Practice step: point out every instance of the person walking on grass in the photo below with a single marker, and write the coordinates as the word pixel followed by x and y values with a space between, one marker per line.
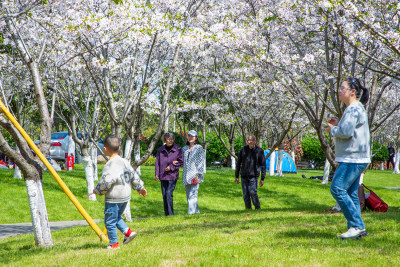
pixel 166 171
pixel 392 152
pixel 352 149
pixel 250 160
pixel 116 181
pixel 193 169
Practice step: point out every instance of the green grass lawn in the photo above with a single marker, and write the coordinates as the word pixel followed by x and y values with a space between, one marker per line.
pixel 292 227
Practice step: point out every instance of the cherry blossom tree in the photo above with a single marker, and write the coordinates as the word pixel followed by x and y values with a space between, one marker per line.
pixel 79 106
pixel 25 28
pixel 319 50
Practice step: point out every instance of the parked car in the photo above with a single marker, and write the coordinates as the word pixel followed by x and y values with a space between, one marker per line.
pixel 217 163
pixel 59 145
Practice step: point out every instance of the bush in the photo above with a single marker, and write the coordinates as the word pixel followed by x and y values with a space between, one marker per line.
pixel 379 152
pixel 215 149
pixel 151 161
pixel 143 148
pixel 8 137
pixel 312 150
pixel 238 143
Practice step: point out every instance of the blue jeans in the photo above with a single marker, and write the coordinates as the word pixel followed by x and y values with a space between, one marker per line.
pixel 167 189
pixel 344 189
pixel 192 191
pixel 113 220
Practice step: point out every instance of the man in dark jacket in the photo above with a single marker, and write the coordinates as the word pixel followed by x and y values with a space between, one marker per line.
pixel 392 151
pixel 250 160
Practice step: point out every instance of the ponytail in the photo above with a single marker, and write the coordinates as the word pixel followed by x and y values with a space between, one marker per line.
pixel 365 95
pixel 362 93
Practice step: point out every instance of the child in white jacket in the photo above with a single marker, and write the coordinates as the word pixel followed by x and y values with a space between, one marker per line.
pixel 116 181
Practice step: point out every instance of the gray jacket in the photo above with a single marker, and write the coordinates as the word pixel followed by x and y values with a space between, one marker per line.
pixel 116 181
pixel 193 164
pixel 352 136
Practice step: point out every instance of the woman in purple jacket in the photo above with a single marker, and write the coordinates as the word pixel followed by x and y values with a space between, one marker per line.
pixel 166 171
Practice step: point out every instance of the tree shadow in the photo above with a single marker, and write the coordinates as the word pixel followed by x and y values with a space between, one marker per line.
pixel 305 233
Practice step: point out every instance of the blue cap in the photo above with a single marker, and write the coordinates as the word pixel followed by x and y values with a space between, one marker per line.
pixel 192 132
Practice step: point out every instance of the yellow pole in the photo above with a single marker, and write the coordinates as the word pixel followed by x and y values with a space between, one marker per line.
pixel 64 187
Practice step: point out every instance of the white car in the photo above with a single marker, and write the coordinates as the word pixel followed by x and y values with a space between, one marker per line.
pixel 59 145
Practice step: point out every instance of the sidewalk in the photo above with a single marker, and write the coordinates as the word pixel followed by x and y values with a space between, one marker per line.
pixel 7 230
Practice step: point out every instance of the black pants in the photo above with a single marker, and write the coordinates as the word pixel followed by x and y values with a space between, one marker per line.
pixel 249 187
pixel 167 189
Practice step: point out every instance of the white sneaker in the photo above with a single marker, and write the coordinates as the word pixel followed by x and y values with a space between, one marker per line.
pixel 336 207
pixel 129 238
pixel 353 233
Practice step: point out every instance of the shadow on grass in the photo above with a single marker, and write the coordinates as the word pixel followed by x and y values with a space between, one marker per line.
pixel 8 254
pixel 225 224
pixel 91 246
pixel 303 233
pixel 286 202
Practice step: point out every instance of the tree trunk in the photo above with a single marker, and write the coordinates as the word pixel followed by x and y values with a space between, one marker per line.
pixel 329 153
pixel 78 156
pixel 17 170
pixel 293 155
pixel 45 120
pixel 127 212
pixel 381 166
pixel 31 170
pixel 88 166
pixel 174 123
pixel 166 124
pixel 17 173
pixel 292 150
pixel 232 148
pixel 233 163
pixel 127 150
pixel 71 146
pixel 396 164
pixel 272 164
pixel 327 167
pixel 117 130
pixel 205 146
pixel 205 161
pixel 137 156
pixel 94 160
pixel 40 221
pixel 280 162
pixel 32 174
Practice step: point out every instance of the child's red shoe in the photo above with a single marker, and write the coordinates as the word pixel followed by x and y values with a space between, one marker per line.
pixel 129 238
pixel 114 246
